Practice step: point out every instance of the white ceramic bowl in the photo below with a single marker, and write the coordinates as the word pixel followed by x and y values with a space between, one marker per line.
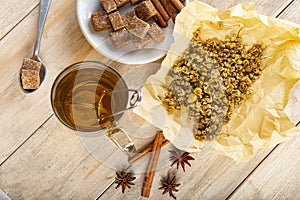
pixel 102 43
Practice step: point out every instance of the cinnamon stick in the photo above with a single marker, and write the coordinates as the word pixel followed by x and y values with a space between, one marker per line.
pixel 179 6
pixel 145 152
pixel 170 8
pixel 161 9
pixel 152 164
pixel 160 20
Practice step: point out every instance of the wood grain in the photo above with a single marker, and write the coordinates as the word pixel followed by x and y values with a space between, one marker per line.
pixel 51 157
pixel 291 13
pixel 210 177
pixel 62 44
pixel 56 160
pixel 278 177
pixel 41 159
pixel 265 7
pixel 216 177
pixel 11 15
pixel 53 164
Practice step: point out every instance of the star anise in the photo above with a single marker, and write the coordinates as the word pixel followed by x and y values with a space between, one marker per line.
pixel 169 185
pixel 124 179
pixel 180 157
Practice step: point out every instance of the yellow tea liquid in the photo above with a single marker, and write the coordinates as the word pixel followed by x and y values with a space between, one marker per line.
pixel 82 97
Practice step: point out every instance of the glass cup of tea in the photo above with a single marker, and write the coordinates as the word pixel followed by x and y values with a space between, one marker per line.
pixel 91 96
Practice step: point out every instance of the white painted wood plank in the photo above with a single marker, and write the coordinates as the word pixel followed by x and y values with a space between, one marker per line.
pixel 12 11
pixel 278 177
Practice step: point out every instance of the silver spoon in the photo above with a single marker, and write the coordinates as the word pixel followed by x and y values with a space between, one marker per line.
pixel 44 7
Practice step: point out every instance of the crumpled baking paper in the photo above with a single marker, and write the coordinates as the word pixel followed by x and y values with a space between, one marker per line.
pixel 260 122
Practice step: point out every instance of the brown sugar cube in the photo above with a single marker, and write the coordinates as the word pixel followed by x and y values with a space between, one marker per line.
pixel 120 38
pixel 30 74
pixel 156 33
pixel 116 20
pixel 137 27
pixel 121 2
pixel 100 21
pixel 133 2
pixel 141 42
pixel 145 10
pixel 109 5
pixel 31 64
pixel 128 16
pixel 30 79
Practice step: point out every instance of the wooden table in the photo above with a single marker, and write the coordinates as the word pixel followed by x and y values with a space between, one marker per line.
pixel 42 159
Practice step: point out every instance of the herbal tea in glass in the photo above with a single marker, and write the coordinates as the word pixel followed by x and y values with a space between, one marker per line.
pixel 83 97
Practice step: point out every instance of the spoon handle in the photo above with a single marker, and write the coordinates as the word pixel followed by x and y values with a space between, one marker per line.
pixel 44 7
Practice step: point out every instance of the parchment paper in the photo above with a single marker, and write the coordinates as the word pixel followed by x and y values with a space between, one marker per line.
pixel 260 122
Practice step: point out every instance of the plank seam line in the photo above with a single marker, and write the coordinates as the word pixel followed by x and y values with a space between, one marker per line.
pixel 284 9
pixel 245 179
pixel 239 185
pixel 258 163
pixel 22 19
pixel 105 190
pixel 10 155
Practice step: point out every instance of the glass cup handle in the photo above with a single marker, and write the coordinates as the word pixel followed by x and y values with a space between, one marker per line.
pixel 135 100
pixel 116 133
pixel 120 137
